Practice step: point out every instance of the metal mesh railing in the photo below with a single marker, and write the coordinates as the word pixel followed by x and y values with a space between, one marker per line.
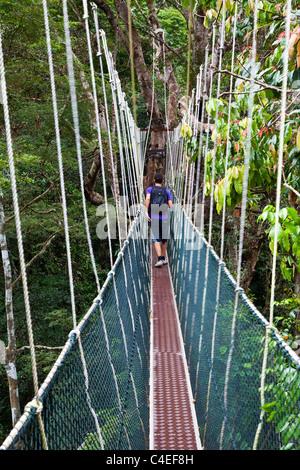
pixel 115 340
pixel 230 423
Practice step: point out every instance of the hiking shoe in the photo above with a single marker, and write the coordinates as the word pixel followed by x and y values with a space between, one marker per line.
pixel 159 263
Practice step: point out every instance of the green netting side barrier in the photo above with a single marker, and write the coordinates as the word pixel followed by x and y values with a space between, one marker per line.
pixel 124 421
pixel 281 424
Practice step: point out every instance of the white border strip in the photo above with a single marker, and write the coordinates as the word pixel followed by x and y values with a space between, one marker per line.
pixel 187 375
pixel 151 381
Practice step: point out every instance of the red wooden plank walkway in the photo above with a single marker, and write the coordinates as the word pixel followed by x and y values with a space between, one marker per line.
pixel 173 424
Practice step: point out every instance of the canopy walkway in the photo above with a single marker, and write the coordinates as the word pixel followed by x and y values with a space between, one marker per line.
pixel 170 358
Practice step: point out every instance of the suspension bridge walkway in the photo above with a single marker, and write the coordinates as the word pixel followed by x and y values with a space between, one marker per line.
pixel 166 358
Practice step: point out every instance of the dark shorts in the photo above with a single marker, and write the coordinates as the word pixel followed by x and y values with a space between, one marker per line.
pixel 160 230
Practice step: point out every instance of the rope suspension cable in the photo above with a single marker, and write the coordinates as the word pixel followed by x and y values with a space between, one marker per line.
pixel 99 54
pixel 193 165
pixel 178 161
pixel 72 86
pixel 125 118
pixel 243 212
pixel 113 164
pixel 130 125
pixel 193 246
pixel 212 194
pixel 152 98
pixel 133 88
pixel 114 95
pixel 117 93
pixel 189 104
pixel 197 121
pixel 200 149
pixel 36 402
pixel 190 164
pixel 170 156
pixel 278 193
pixel 118 98
pixel 115 106
pixel 185 205
pixel 221 261
pixel 228 139
pixel 104 183
pixel 127 125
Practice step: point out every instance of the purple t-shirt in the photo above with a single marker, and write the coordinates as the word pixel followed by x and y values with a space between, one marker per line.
pixel 160 216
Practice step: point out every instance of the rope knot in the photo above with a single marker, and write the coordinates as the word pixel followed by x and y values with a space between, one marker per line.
pixel 76 331
pixel 239 289
pixel 271 327
pixel 34 404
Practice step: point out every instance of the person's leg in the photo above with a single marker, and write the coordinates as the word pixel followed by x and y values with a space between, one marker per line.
pixel 157 247
pixel 165 237
pixel 163 248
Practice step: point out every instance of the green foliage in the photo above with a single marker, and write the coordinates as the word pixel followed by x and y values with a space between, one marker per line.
pixel 283 410
pixel 288 230
pixel 36 165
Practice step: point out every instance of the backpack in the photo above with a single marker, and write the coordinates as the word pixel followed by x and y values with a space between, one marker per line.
pixel 158 197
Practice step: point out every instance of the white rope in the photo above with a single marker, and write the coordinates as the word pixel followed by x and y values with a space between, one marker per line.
pixel 243 214
pixel 166 109
pixel 60 159
pixel 212 195
pixel 228 144
pixel 72 85
pixel 152 98
pixel 200 149
pixel 113 86
pixel 127 124
pixel 197 121
pixel 71 77
pixel 210 223
pixel 20 238
pixel 278 192
pixel 103 168
pixel 116 89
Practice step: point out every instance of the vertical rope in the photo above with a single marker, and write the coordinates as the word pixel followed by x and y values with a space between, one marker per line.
pixel 243 214
pixel 210 223
pixel 71 77
pixel 38 404
pixel 278 192
pixel 72 85
pixel 219 270
pixel 133 82
pixel 60 159
pixel 170 156
pixel 117 93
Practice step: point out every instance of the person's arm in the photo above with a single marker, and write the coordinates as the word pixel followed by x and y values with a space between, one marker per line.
pixel 170 203
pixel 147 203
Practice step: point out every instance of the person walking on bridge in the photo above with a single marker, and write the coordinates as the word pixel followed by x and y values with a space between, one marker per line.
pixel 158 202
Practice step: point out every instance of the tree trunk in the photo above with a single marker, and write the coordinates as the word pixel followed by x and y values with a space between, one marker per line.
pixel 109 161
pixel 252 247
pixel 10 351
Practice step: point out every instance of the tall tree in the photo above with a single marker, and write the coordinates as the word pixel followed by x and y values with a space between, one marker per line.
pixel 145 20
pixel 11 349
